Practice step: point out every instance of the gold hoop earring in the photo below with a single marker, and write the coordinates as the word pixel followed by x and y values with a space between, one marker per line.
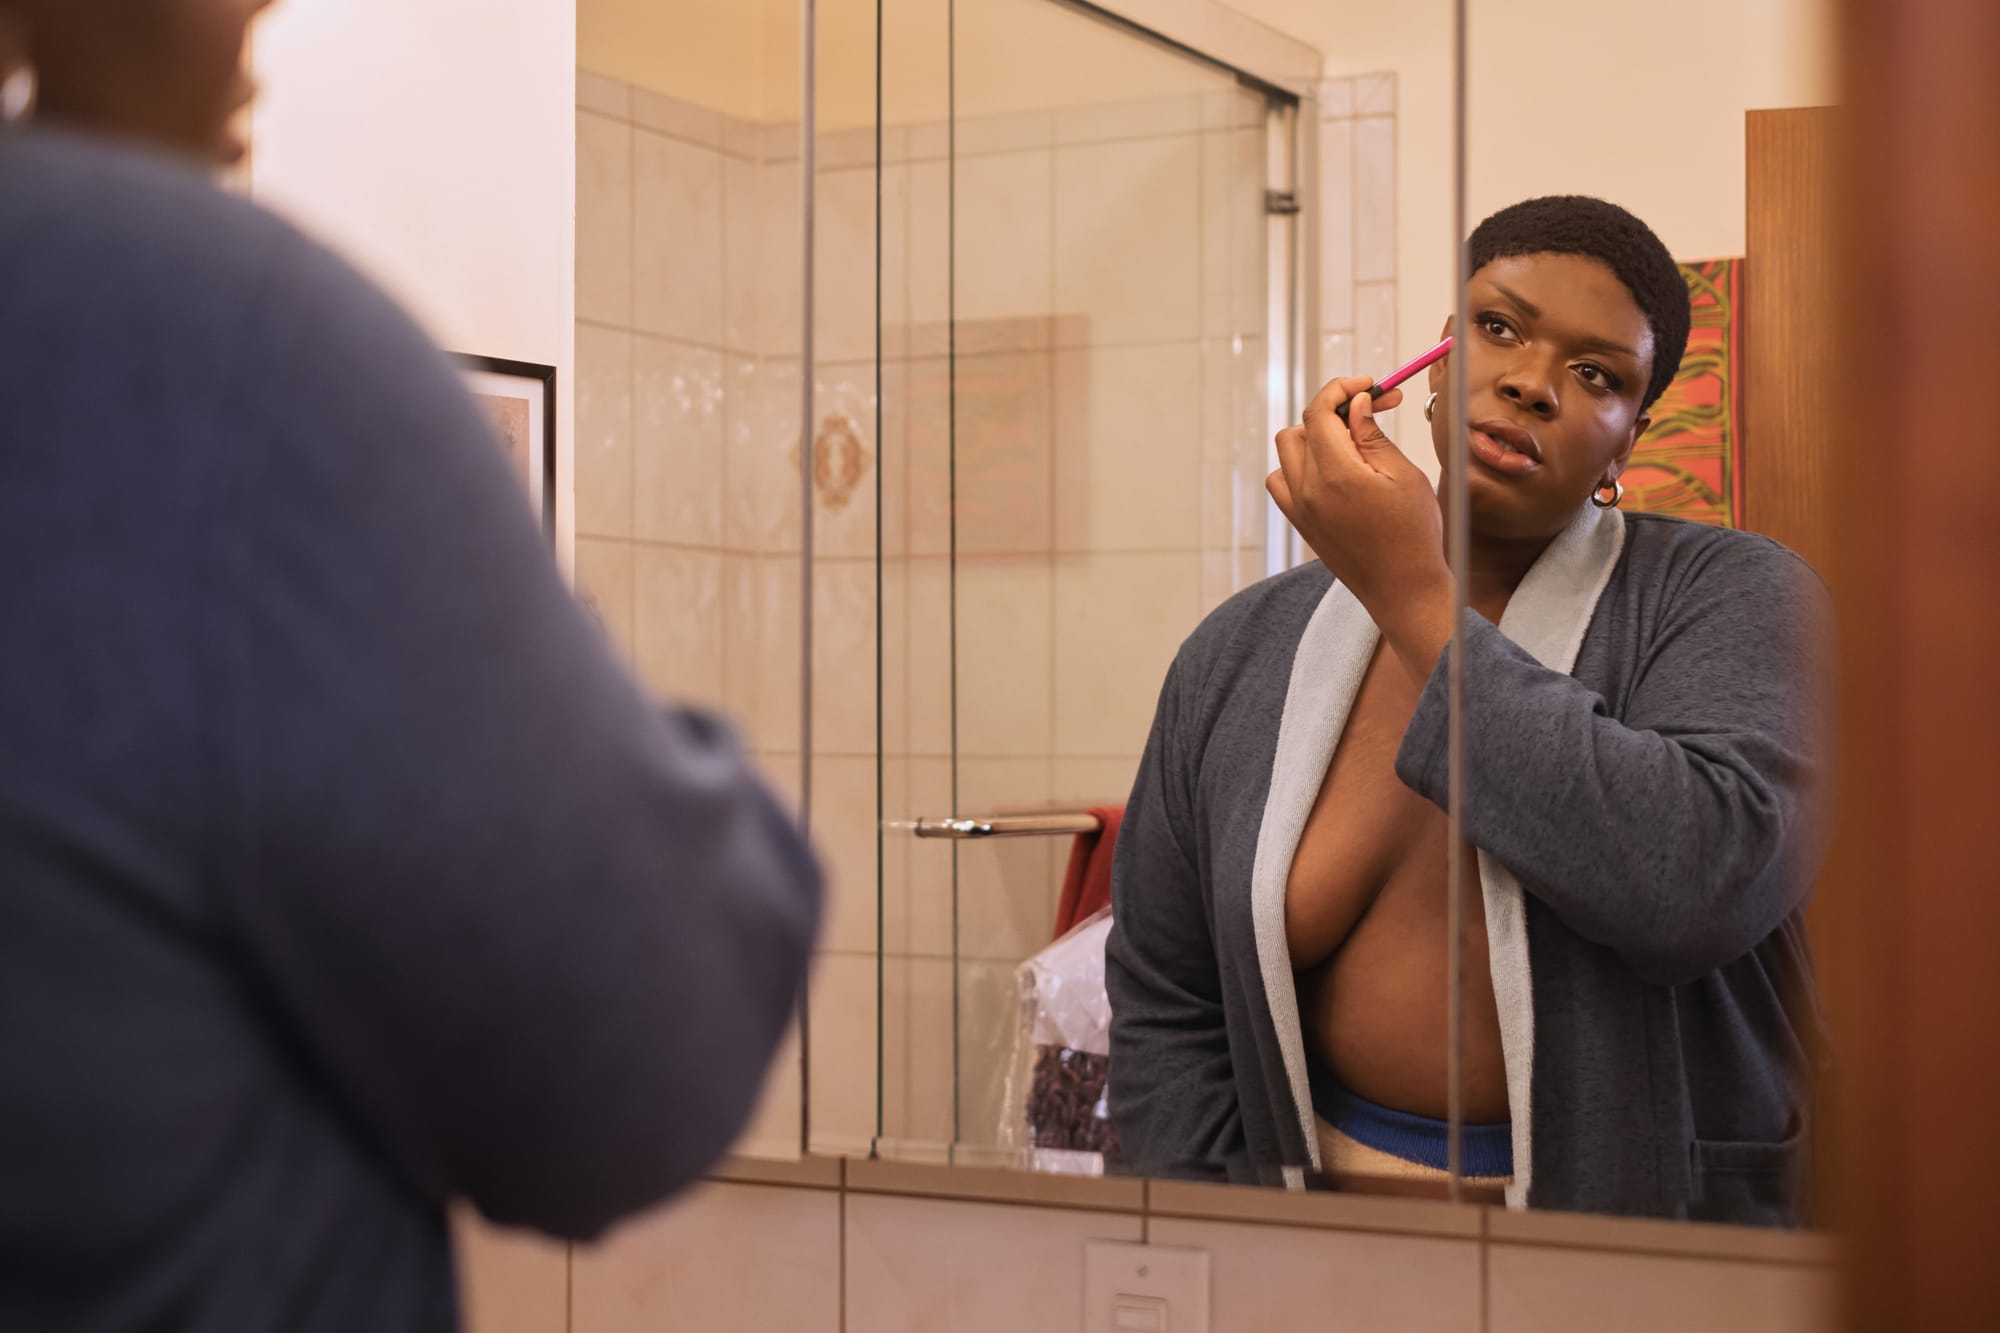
pixel 1617 489
pixel 1430 407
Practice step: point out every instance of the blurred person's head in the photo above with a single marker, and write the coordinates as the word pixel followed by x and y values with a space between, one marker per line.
pixel 166 72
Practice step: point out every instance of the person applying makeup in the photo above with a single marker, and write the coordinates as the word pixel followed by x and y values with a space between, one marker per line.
pixel 1647 768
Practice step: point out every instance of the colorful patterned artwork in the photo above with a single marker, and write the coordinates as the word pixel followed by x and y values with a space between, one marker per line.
pixel 1690 464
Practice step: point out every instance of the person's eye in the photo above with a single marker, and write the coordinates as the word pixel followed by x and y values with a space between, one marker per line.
pixel 1597 377
pixel 1494 326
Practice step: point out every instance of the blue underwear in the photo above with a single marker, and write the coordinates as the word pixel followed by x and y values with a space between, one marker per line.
pixel 1488 1150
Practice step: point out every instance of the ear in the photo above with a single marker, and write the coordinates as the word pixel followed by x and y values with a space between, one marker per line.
pixel 1624 459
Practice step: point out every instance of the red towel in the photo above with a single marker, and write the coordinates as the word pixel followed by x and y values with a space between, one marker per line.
pixel 1087 882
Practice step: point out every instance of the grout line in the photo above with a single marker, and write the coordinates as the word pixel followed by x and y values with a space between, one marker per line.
pixel 1654 1252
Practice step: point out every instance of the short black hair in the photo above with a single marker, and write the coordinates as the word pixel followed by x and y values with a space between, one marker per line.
pixel 1576 224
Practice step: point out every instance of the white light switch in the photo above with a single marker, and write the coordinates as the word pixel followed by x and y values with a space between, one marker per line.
pixel 1144 1289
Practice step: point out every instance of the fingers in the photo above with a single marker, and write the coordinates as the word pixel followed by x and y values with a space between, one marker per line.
pixel 1361 422
pixel 1333 395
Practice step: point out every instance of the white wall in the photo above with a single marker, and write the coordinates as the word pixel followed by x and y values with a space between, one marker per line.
pixel 1638 103
pixel 434 143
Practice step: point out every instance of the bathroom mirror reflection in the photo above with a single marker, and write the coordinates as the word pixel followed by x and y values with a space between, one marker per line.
pixel 1646 738
pixel 1131 311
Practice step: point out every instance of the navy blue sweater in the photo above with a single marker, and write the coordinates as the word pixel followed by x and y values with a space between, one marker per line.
pixel 342 870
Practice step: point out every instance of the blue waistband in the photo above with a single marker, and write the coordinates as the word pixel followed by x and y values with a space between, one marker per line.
pixel 1488 1149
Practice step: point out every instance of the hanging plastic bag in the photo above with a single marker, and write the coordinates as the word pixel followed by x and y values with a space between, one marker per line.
pixel 1062 1050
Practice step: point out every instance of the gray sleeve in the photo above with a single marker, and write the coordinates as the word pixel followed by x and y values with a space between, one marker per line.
pixel 538 936
pixel 1173 1093
pixel 1684 830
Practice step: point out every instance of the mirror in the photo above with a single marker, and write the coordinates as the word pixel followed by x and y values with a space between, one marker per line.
pixel 1110 275
pixel 1646 751
pixel 688 407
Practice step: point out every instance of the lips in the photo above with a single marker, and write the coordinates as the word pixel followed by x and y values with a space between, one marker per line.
pixel 1505 448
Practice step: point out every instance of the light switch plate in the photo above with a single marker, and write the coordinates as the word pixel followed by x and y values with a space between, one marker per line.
pixel 1144 1289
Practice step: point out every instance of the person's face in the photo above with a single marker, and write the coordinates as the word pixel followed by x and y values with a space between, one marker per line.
pixel 169 72
pixel 1557 361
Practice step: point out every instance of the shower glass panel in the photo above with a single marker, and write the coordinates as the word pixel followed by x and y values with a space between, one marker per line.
pixel 1085 330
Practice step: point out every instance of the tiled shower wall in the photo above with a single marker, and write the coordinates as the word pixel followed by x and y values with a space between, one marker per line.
pixel 1110 445
pixel 1357 242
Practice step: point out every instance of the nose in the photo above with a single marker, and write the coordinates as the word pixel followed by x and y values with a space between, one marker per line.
pixel 1530 386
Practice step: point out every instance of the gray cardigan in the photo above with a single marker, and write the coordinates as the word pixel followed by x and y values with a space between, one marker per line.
pixel 1646 775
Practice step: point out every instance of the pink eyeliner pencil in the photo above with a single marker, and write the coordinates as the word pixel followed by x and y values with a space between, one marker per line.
pixel 1391 380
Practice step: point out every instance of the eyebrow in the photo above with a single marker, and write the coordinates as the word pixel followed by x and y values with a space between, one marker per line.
pixel 1533 311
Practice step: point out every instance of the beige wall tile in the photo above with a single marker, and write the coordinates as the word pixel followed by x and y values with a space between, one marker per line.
pixel 510 1281
pixel 603 219
pixel 604 581
pixel 1002 241
pixel 927 255
pixel 1336 98
pixel 1003 656
pixel 763 659
pixel 1235 234
pixel 925 1266
pixel 893 410
pixel 1545 1290
pixel 842 1052
pixel 760 465
pixel 844 829
pixel 780 257
pixel 844 266
pixel 743 259
pixel 929 900
pixel 1232 109
pixel 671 116
pixel 1278 1280
pixel 917 1056
pixel 844 657
pixel 896 842
pixel 677 442
pixel 677 262
pixel 929 681
pixel 1236 444
pixel 1006 886
pixel 1119 621
pixel 773 1127
pixel 1142 118
pixel 1137 283
pixel 726 1257
pixel 989 1025
pixel 1219 571
pixel 679 605
pixel 1128 447
pixel 846 460
pixel 1337 206
pixel 603 433
pixel 1374 196
pixel 895 657
pixel 1083 783
pixel 603 94
pixel 1018 132
pixel 1375 95
pixel 742 618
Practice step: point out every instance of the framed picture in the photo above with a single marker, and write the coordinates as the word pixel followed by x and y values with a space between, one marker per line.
pixel 519 397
